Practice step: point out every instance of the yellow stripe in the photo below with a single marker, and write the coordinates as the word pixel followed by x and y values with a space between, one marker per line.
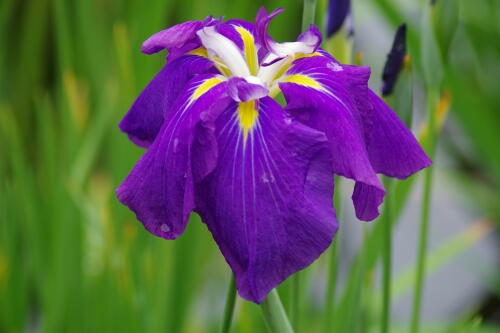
pixel 303 55
pixel 249 46
pixel 304 80
pixel 247 115
pixel 203 88
pixel 286 66
pixel 201 51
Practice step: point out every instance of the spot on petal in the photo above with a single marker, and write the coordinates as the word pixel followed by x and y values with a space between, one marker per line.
pixel 334 66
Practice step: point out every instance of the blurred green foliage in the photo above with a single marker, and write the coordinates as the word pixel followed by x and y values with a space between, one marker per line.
pixel 72 259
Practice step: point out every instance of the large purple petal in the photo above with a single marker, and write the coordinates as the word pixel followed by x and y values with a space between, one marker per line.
pixel 145 117
pixel 160 188
pixel 320 96
pixel 392 148
pixel 268 203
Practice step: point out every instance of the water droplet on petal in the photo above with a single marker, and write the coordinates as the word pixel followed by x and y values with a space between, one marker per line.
pixel 334 66
pixel 164 227
pixel 264 178
pixel 176 145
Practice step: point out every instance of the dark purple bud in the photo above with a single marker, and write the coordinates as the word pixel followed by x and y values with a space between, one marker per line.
pixel 394 61
pixel 433 2
pixel 338 10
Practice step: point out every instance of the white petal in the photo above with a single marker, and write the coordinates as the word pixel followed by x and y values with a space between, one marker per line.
pixel 225 49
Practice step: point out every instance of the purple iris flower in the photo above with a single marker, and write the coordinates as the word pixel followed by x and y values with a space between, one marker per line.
pixel 260 175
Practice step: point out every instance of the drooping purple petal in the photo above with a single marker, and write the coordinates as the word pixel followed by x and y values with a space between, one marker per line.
pixel 268 203
pixel 145 117
pixel 321 97
pixel 393 149
pixel 336 15
pixel 241 90
pixel 160 188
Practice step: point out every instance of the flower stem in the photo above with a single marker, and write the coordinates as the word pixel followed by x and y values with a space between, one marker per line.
pixel 275 314
pixel 308 14
pixel 333 269
pixel 424 222
pixel 229 308
pixel 295 301
pixel 387 259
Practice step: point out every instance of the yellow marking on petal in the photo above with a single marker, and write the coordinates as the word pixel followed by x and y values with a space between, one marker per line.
pixel 304 80
pixel 249 46
pixel 203 88
pixel 201 51
pixel 288 63
pixel 304 55
pixel 247 115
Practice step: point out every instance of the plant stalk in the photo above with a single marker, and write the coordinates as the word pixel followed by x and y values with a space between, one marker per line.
pixel 229 307
pixel 275 315
pixel 333 262
pixel 308 14
pixel 387 259
pixel 424 223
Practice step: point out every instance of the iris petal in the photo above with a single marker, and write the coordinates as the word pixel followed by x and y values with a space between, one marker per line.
pixel 393 149
pixel 225 49
pixel 160 188
pixel 268 203
pixel 243 90
pixel 307 42
pixel 177 37
pixel 390 147
pixel 145 118
pixel 321 98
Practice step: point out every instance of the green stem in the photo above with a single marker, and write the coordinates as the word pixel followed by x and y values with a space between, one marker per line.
pixel 275 315
pixel 229 308
pixel 295 301
pixel 387 260
pixel 424 222
pixel 308 14
pixel 333 269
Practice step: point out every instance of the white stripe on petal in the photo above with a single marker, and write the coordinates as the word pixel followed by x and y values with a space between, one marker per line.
pixel 225 49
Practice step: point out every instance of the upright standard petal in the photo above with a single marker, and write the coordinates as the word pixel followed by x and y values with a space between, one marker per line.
pixel 268 203
pixel 318 92
pixel 160 188
pixel 145 118
pixel 307 42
